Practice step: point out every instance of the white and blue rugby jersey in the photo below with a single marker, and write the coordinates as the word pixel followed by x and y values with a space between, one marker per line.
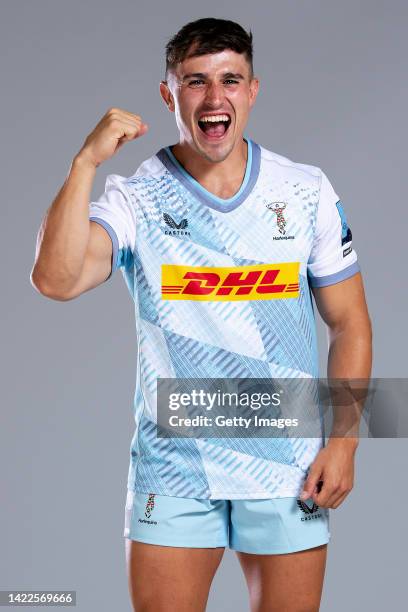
pixel 221 289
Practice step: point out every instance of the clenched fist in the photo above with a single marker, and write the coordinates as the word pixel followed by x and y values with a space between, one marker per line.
pixel 115 128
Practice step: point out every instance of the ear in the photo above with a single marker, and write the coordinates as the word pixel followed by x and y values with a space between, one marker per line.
pixel 167 95
pixel 253 90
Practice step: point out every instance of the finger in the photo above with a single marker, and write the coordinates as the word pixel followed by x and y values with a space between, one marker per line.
pixel 329 493
pixel 128 121
pixel 316 490
pixel 130 131
pixel 338 499
pixel 328 500
pixel 120 112
pixel 140 131
pixel 143 129
pixel 129 115
pixel 125 117
pixel 128 118
pixel 311 483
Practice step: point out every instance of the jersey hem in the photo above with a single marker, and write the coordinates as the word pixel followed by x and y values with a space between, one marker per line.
pixel 220 495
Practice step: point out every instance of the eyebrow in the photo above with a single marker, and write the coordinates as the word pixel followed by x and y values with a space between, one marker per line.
pixel 204 75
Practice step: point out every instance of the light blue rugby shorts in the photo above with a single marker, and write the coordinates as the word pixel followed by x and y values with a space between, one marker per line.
pixel 258 526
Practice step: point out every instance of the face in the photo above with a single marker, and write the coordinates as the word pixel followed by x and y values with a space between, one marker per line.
pixel 211 96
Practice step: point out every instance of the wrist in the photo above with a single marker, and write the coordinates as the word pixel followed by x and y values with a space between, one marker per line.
pixel 84 160
pixel 344 441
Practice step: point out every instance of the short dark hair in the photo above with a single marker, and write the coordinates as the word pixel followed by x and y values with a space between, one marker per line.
pixel 208 35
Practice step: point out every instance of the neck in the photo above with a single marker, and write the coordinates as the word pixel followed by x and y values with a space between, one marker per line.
pixel 222 178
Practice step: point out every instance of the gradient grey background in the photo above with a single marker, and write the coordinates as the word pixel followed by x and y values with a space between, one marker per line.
pixel 333 94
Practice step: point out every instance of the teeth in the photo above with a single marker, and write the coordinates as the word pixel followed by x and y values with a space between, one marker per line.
pixel 214 118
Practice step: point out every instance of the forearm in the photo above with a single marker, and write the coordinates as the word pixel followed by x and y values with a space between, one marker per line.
pixel 64 232
pixel 350 359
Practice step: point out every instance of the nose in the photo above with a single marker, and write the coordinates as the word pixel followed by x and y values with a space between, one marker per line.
pixel 214 94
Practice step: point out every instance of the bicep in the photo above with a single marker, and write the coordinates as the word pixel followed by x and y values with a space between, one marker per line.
pixel 342 303
pixel 97 264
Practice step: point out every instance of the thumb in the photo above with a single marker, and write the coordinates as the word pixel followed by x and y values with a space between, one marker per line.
pixel 143 129
pixel 310 483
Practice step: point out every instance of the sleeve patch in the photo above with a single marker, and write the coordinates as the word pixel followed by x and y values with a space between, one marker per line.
pixel 345 230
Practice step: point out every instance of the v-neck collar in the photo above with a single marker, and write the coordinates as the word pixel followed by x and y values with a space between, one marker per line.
pixel 206 197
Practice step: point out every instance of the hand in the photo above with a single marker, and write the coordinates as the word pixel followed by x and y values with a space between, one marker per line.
pixel 331 475
pixel 115 128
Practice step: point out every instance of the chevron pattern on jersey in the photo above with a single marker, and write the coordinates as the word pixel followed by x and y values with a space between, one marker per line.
pixel 187 338
pixel 173 465
pixel 232 471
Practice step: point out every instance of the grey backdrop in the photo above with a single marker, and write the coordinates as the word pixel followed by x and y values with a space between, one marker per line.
pixel 333 94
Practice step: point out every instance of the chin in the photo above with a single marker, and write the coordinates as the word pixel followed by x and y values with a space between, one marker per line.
pixel 214 153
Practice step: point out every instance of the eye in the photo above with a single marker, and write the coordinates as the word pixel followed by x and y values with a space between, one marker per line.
pixel 233 81
pixel 195 82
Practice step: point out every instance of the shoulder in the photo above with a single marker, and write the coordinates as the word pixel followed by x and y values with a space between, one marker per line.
pixel 289 167
pixel 151 169
pixel 148 172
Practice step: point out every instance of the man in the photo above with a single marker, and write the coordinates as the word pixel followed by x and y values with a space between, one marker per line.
pixel 221 242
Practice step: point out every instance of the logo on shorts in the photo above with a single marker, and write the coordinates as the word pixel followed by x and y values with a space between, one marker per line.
pixel 278 208
pixel 310 511
pixel 148 510
pixel 149 505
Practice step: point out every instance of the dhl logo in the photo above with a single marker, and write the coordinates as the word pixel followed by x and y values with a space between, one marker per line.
pixel 255 282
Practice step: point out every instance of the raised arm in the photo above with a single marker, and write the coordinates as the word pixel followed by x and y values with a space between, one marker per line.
pixel 74 254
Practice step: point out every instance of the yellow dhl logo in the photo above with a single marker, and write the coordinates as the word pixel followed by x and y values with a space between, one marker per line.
pixel 255 282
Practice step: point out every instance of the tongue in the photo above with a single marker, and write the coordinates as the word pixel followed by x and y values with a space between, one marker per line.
pixel 215 129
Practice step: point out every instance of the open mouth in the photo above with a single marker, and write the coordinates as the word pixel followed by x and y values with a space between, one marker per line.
pixel 215 126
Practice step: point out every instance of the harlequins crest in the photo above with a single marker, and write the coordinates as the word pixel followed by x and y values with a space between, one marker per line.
pixel 278 208
pixel 149 505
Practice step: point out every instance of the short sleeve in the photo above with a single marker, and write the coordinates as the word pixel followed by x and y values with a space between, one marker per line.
pixel 115 212
pixel 332 257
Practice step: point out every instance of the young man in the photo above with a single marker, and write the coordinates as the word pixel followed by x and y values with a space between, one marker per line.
pixel 221 242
